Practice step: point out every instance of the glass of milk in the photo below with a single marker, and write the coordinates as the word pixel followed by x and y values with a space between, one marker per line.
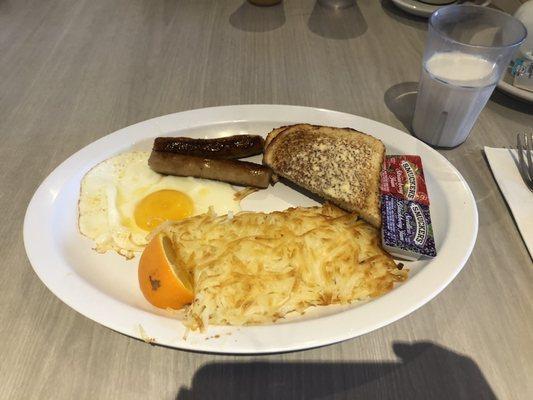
pixel 467 51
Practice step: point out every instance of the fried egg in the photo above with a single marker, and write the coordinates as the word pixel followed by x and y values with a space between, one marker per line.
pixel 122 200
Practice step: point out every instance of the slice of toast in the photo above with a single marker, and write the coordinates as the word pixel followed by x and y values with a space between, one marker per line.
pixel 339 164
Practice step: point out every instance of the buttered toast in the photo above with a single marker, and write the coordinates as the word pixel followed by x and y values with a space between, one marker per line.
pixel 339 164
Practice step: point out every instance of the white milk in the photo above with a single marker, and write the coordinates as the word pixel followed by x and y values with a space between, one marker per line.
pixel 454 88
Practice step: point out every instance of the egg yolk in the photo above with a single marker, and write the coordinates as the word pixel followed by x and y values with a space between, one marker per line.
pixel 161 206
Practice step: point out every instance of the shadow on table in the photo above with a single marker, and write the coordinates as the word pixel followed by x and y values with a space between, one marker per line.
pixel 504 100
pixel 346 23
pixel 401 100
pixel 5 6
pixel 252 18
pixel 425 371
pixel 394 12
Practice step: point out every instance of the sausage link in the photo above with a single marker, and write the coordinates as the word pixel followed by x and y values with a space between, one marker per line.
pixel 237 146
pixel 241 173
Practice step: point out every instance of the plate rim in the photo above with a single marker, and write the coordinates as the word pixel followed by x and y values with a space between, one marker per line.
pixel 30 250
pixel 515 92
pixel 419 8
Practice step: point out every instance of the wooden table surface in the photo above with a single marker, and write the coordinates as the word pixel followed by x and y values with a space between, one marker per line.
pixel 74 71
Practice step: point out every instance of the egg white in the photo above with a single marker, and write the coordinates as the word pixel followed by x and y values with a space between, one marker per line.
pixel 111 190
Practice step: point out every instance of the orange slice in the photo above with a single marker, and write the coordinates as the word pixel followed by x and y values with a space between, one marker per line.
pixel 162 282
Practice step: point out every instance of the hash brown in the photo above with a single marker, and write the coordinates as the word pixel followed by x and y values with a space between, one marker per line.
pixel 255 268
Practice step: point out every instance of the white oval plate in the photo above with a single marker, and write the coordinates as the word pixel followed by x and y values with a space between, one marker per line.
pixel 104 288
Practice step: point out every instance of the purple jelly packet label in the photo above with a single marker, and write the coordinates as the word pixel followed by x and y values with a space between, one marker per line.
pixel 406 228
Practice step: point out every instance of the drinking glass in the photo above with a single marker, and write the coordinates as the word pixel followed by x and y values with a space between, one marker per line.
pixel 467 51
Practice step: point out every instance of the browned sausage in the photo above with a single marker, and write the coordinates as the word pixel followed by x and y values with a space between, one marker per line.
pixel 241 173
pixel 237 146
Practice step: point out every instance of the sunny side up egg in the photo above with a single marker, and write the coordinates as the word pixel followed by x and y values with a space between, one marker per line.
pixel 122 200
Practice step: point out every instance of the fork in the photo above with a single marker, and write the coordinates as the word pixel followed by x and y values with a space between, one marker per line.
pixel 524 143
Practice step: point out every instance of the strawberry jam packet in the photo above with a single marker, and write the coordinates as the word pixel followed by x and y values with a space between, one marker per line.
pixel 403 177
pixel 406 229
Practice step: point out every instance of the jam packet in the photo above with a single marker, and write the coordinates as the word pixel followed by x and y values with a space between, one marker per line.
pixel 402 177
pixel 406 229
pixel 523 74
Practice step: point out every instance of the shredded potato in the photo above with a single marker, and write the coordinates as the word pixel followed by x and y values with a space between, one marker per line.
pixel 256 268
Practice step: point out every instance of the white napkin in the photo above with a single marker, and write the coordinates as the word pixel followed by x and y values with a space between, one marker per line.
pixel 503 163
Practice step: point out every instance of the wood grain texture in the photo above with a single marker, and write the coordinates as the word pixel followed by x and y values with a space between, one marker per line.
pixel 73 71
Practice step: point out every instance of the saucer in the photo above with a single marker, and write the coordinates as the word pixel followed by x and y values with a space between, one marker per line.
pixel 505 85
pixel 421 9
pixel 416 7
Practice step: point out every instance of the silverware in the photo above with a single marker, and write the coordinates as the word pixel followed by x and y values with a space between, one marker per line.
pixel 524 144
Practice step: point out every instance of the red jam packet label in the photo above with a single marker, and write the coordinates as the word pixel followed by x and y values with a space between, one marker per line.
pixel 403 177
